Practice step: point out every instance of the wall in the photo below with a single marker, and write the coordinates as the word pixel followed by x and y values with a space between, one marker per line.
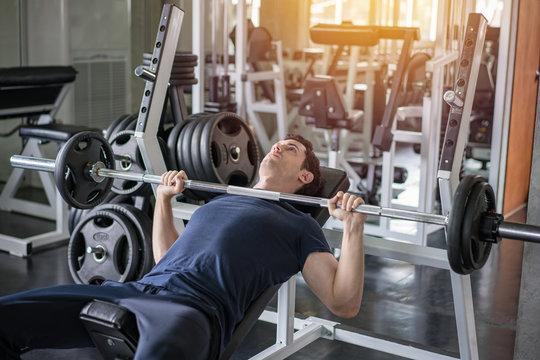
pixel 523 106
pixel 527 345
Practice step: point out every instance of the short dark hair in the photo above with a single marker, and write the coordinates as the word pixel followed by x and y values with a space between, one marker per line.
pixel 311 164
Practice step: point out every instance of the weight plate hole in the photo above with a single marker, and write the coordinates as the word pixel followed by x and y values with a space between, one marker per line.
pixel 229 127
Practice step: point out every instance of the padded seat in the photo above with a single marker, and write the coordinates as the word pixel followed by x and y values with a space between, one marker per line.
pixel 30 91
pixel 113 329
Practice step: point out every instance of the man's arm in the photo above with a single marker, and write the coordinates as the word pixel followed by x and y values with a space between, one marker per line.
pixel 164 233
pixel 339 285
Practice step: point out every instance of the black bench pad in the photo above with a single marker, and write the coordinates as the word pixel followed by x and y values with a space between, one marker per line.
pixel 53 132
pixel 37 75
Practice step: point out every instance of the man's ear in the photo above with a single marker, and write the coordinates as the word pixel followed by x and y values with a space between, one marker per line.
pixel 306 176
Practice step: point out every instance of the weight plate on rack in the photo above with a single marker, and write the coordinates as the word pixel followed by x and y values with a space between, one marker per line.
pixel 103 246
pixel 454 241
pixel 172 140
pixel 122 125
pixel 125 144
pixel 195 150
pixel 143 226
pixel 475 252
pixel 181 156
pixel 112 126
pixel 229 148
pixel 71 172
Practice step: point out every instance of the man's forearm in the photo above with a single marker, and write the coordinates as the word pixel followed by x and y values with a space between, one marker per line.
pixel 349 277
pixel 164 233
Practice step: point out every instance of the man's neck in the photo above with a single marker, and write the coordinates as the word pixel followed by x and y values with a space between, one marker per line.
pixel 273 184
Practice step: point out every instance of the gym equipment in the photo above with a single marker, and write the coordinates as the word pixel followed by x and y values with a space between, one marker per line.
pixel 103 246
pixel 35 93
pixel 111 242
pixel 215 147
pixel 84 172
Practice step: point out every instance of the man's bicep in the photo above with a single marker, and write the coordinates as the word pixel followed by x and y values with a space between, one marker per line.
pixel 319 272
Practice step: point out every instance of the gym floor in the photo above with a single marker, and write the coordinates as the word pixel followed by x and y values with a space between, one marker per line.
pixel 401 301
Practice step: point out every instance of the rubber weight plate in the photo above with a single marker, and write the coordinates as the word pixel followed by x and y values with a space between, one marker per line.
pixel 183 149
pixel 474 251
pixel 143 226
pixel 71 172
pixel 229 149
pixel 103 246
pixel 113 125
pixel 124 143
pixel 172 141
pixel 454 241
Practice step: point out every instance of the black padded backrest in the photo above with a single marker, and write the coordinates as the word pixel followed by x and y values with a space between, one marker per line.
pixel 334 181
pixel 28 91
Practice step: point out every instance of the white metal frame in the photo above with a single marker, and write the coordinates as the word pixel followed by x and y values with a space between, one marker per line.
pixel 278 108
pixel 55 210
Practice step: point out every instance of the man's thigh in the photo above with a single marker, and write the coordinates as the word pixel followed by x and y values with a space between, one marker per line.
pixel 49 317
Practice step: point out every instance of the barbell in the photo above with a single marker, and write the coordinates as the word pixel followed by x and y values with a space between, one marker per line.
pixel 84 171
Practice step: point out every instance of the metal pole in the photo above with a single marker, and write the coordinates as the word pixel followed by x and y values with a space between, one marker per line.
pixel 509 230
pixel 96 171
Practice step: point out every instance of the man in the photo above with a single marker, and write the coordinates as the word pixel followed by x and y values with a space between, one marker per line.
pixel 232 249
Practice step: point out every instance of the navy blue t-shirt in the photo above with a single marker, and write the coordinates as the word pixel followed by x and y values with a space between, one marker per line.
pixel 234 248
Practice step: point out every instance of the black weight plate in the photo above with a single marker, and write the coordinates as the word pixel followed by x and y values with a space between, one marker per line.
pixel 122 125
pixel 178 57
pixel 124 143
pixel 172 140
pixel 115 235
pixel 164 152
pixel 113 125
pixel 186 82
pixel 77 216
pixel 182 70
pixel 475 252
pixel 143 224
pixel 187 147
pixel 195 150
pixel 72 175
pixel 205 150
pixel 454 241
pixel 183 149
pixel 183 76
pixel 233 150
pixel 71 219
pixel 142 203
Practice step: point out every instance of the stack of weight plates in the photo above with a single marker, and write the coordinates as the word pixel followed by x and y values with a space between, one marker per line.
pixel 182 73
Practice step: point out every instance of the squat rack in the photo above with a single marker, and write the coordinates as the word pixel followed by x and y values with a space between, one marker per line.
pixel 287 340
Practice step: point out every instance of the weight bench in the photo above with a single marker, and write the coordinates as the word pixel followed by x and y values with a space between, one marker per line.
pixel 35 94
pixel 113 328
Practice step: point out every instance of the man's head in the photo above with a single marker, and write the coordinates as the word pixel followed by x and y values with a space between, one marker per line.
pixel 291 166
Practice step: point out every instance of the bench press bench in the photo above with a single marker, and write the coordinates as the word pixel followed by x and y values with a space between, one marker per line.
pixel 35 94
pixel 113 328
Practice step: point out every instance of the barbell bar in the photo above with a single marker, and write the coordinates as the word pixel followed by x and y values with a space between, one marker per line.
pixel 84 171
pixel 98 172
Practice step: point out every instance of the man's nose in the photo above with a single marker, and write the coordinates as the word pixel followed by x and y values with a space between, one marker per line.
pixel 276 148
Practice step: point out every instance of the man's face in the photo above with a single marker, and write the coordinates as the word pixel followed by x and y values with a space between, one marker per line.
pixel 285 159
